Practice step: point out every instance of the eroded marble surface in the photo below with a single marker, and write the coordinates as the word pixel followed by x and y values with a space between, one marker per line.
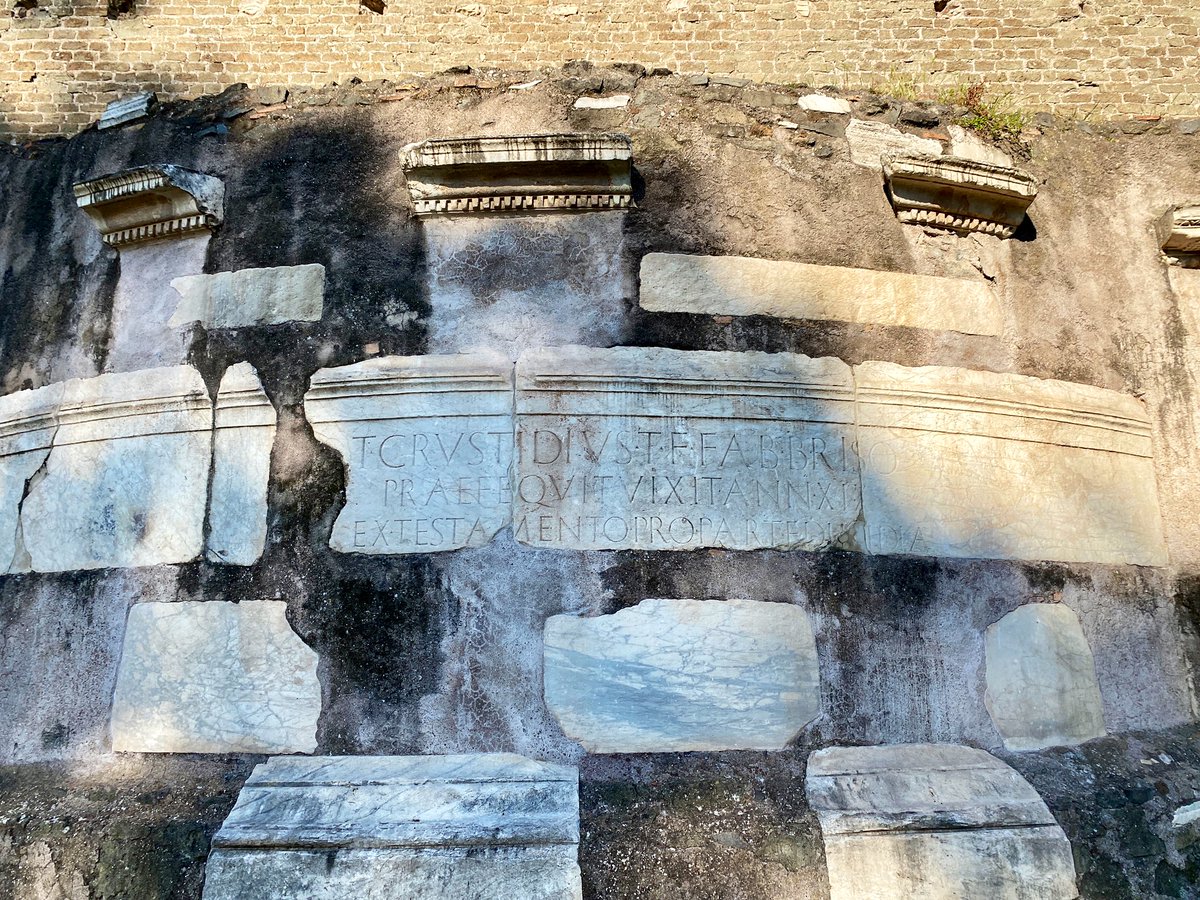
pixel 268 296
pixel 680 675
pixel 870 141
pixel 215 677
pixel 1041 679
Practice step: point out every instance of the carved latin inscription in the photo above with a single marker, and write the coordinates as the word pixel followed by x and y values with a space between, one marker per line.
pixel 976 464
pixel 427 445
pixel 668 450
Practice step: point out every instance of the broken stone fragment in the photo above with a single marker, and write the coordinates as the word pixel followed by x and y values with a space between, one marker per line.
pixel 871 141
pixel 558 172
pixel 1179 232
pixel 958 194
pixel 127 109
pixel 268 296
pixel 681 675
pixel 151 203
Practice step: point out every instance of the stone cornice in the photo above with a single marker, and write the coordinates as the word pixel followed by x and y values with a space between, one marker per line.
pixel 1181 236
pixel 958 194
pixel 552 172
pixel 151 203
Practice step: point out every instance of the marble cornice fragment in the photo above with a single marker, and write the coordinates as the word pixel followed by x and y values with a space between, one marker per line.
pixel 526 173
pixel 958 194
pixel 1180 235
pixel 151 203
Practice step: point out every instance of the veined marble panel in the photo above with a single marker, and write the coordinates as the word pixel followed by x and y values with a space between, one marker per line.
pixel 126 482
pixel 427 445
pixel 1041 679
pixel 251 297
pixel 934 822
pixel 215 677
pixel 680 675
pixel 468 827
pixel 28 420
pixel 242 440
pixel 655 449
pixel 739 286
pixel 963 463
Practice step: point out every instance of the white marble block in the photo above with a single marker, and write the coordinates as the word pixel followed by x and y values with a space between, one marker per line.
pixel 963 463
pixel 1041 679
pixel 934 822
pixel 427 445
pixel 215 677
pixel 740 286
pixel 653 449
pixel 126 482
pixel 679 675
pixel 870 141
pixel 251 297
pixel 469 827
pixel 28 420
pixel 242 440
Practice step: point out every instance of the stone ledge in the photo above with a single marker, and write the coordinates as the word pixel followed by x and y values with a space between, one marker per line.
pixel 151 203
pixel 958 194
pixel 554 172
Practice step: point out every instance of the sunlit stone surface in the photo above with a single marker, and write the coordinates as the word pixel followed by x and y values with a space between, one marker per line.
pixel 126 482
pixel 427 444
pixel 934 822
pixel 647 448
pixel 469 827
pixel 242 441
pixel 251 297
pixel 28 420
pixel 870 141
pixel 1041 680
pixel 740 286
pixel 964 463
pixel 215 677
pixel 677 675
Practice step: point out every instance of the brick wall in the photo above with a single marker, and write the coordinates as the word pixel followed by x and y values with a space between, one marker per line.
pixel 60 63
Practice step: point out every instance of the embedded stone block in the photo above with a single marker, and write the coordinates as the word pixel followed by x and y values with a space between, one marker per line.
pixel 244 433
pixel 151 203
pixel 427 445
pixel 126 481
pixel 468 827
pixel 1179 232
pixel 963 463
pixel 1041 679
pixel 740 286
pixel 646 448
pixel 934 822
pixel 556 172
pixel 822 104
pixel 28 421
pixel 127 109
pixel 870 141
pixel 958 194
pixel 247 297
pixel 679 675
pixel 215 677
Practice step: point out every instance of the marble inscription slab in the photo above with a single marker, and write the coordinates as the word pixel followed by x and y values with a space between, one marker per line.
pixel 934 822
pixel 654 449
pixel 427 445
pixel 962 463
pixel 243 436
pixel 126 482
pixel 1041 679
pixel 467 827
pixel 215 677
pixel 680 675
pixel 740 286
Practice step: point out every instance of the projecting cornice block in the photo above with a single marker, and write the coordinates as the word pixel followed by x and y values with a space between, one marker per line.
pixel 958 194
pixel 536 173
pixel 1180 234
pixel 151 203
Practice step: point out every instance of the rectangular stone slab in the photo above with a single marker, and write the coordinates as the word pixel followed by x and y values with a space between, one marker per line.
pixel 427 445
pixel 405 801
pixel 126 482
pixel 680 675
pixel 962 463
pixel 28 421
pixel 740 286
pixel 215 677
pixel 645 448
pixel 251 297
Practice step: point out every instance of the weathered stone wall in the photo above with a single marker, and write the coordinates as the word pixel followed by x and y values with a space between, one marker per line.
pixel 442 652
pixel 60 63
